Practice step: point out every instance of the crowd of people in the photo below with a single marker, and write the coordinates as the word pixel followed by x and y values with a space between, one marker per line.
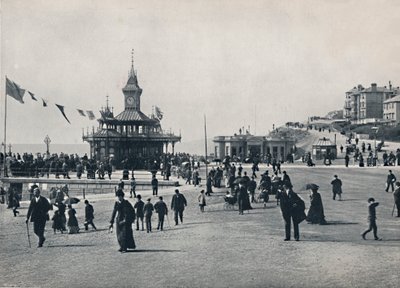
pixel 61 165
pixel 242 192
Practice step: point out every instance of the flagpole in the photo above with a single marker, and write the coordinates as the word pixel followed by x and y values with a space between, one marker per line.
pixel 205 143
pixel 5 129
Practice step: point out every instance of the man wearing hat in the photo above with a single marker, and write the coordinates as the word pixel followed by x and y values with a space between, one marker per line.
pixel 336 187
pixel 372 219
pixel 292 208
pixel 139 211
pixel 38 213
pixel 161 210
pixel 390 181
pixel 148 212
pixel 178 204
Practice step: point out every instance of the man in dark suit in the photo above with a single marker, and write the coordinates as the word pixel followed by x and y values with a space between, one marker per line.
pixel 178 204
pixel 390 180
pixel 292 207
pixel 154 185
pixel 38 213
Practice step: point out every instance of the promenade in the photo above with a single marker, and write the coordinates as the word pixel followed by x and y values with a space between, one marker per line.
pixel 219 248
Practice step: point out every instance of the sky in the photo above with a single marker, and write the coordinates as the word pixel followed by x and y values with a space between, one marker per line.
pixel 239 62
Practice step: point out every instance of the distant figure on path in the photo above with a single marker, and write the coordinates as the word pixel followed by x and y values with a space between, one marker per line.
pixel 292 207
pixel 154 185
pixel 390 180
pixel 148 212
pixel 346 160
pixel 286 179
pixel 178 204
pixel 14 201
pixel 252 189
pixel 209 186
pixel 372 219
pixel 72 223
pixel 139 211
pixel 89 215
pixel 396 195
pixel 124 214
pixel 133 187
pixel 202 200
pixel 38 213
pixel 243 198
pixel 161 209
pixel 336 187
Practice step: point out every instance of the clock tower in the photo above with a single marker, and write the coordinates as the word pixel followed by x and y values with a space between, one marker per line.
pixel 132 91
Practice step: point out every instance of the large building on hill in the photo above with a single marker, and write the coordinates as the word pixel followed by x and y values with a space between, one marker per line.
pixel 365 105
pixel 131 134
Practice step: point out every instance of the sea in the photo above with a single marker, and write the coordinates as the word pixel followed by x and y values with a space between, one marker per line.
pixel 79 149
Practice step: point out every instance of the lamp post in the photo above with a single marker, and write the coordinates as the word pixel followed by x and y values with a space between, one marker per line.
pixel 47 142
pixel 9 148
pixel 375 129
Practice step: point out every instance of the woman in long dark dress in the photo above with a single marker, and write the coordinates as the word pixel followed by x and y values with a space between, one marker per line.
pixel 124 214
pixel 315 214
pixel 72 223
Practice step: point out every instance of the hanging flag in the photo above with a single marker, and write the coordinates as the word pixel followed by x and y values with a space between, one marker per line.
pixel 13 90
pixel 90 115
pixel 32 95
pixel 44 103
pixel 159 113
pixel 62 112
pixel 81 112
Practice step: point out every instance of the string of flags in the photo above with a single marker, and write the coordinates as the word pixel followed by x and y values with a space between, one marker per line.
pixel 15 91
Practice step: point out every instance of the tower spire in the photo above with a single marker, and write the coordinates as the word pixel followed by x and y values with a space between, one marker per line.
pixel 132 62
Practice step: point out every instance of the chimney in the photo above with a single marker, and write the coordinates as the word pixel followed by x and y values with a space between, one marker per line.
pixel 390 85
pixel 373 87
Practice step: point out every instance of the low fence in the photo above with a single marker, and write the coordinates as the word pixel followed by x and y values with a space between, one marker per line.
pixel 77 187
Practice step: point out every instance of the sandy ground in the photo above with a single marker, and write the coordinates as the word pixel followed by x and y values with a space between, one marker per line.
pixel 219 248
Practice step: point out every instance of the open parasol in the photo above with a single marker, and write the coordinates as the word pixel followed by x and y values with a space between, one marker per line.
pixel 71 201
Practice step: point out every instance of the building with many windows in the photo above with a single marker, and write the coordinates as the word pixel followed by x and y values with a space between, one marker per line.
pixel 364 105
pixel 391 110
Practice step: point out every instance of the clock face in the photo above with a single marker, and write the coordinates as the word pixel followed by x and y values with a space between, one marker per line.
pixel 129 100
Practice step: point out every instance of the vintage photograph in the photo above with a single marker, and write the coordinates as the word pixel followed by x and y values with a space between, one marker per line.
pixel 200 143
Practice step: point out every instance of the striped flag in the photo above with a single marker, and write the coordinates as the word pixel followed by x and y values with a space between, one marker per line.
pixel 90 114
pixel 13 90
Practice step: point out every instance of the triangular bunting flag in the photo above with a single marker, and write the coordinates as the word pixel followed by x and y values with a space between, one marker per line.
pixel 13 90
pixel 90 115
pixel 44 103
pixel 62 112
pixel 81 112
pixel 32 95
